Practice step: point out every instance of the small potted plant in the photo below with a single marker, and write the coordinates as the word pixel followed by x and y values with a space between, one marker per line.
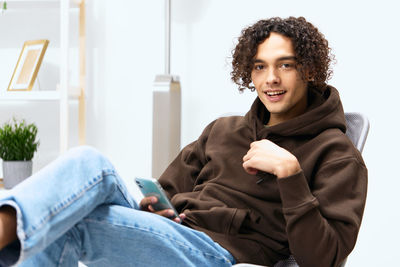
pixel 3 6
pixel 17 146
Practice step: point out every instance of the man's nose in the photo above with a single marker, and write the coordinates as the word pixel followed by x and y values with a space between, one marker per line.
pixel 272 77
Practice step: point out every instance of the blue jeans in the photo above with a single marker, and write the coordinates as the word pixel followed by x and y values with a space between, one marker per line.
pixel 78 209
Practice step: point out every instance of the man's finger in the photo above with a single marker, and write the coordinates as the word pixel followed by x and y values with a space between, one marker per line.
pixel 147 201
pixel 252 144
pixel 248 169
pixel 249 154
pixel 166 213
pixel 180 218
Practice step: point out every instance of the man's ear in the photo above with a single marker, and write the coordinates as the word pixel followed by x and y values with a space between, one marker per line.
pixel 309 76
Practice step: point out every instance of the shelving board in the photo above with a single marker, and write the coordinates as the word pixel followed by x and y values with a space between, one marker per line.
pixel 38 4
pixel 30 95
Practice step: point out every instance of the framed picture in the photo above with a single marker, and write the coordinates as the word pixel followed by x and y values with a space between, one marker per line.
pixel 28 65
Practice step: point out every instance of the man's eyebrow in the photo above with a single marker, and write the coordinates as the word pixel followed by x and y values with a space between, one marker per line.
pixel 287 58
pixel 256 60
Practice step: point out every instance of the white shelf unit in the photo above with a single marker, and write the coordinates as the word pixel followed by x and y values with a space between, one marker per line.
pixel 64 91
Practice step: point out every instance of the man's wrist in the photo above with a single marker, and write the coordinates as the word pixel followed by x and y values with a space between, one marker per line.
pixel 288 168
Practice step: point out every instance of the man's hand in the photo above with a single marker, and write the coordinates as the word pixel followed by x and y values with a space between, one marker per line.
pixel 146 205
pixel 266 156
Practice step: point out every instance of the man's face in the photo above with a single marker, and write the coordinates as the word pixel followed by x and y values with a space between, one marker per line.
pixel 277 80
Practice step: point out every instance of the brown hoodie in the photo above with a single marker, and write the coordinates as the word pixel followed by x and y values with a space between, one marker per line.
pixel 314 215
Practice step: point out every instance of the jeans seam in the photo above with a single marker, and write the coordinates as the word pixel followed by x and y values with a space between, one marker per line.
pixel 178 242
pixel 63 251
pixel 120 188
pixel 64 204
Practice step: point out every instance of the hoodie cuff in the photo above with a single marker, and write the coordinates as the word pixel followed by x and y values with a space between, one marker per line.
pixel 294 191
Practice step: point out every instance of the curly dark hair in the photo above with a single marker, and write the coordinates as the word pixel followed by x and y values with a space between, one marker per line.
pixel 313 55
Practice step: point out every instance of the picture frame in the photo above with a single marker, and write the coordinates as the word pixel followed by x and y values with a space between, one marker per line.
pixel 28 65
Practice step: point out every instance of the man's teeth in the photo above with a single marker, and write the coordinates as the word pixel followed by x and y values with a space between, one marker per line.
pixel 275 93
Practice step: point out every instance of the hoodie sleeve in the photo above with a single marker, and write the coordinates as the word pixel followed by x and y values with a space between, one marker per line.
pixel 323 220
pixel 181 174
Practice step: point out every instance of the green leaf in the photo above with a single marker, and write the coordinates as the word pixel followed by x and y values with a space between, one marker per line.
pixel 18 140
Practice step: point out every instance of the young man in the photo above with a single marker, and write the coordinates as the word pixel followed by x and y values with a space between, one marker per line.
pixel 284 179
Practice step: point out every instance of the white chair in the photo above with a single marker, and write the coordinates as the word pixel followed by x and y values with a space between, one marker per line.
pixel 357 131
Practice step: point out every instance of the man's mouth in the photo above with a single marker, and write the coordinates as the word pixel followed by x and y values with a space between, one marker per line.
pixel 275 93
pixel 275 96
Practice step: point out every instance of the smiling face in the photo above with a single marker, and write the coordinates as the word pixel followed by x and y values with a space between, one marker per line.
pixel 278 81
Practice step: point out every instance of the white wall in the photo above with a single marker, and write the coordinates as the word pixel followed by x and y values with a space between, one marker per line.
pixel 125 44
pixel 126 51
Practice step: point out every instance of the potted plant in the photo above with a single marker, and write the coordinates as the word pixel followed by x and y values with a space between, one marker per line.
pixel 17 146
pixel 3 7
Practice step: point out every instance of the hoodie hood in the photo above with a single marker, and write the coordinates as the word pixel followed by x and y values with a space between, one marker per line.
pixel 324 111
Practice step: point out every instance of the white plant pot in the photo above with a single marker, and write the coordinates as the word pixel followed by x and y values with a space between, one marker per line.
pixel 15 172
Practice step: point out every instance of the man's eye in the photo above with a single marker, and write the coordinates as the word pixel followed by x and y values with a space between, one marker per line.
pixel 258 67
pixel 287 66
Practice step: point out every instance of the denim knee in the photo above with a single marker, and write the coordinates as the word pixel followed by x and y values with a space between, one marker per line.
pixel 89 156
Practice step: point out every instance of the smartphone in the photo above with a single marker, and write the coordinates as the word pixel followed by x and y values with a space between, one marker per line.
pixel 151 187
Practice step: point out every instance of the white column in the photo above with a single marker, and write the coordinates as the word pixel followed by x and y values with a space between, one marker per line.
pixel 64 79
pixel 166 122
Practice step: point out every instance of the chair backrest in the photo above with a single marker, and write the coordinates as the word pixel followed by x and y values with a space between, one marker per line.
pixel 289 262
pixel 357 131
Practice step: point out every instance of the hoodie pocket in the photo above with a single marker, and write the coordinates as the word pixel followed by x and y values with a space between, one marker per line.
pixel 237 220
pixel 220 219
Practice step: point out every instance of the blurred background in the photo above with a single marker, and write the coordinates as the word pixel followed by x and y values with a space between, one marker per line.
pixel 125 51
